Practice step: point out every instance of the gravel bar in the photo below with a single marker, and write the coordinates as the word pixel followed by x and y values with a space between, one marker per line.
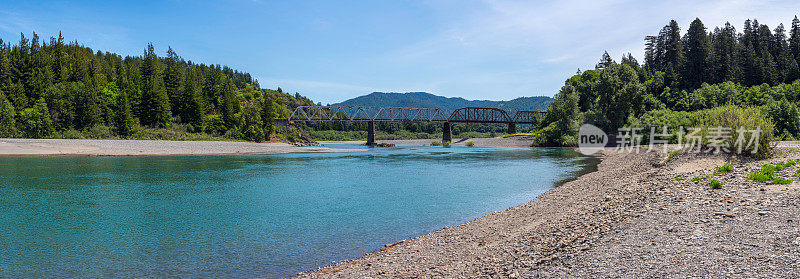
pixel 638 216
pixel 83 147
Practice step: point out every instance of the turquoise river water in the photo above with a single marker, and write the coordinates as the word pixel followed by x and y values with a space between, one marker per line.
pixel 251 216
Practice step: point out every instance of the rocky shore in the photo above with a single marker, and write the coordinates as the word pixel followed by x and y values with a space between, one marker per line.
pixel 639 215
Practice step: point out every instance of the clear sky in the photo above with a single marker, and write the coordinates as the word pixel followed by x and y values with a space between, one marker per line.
pixel 335 50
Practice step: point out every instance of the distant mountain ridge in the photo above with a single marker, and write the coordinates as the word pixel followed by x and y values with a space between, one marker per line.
pixel 427 100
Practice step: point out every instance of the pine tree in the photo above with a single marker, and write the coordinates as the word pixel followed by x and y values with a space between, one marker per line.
pixel 673 54
pixel 268 115
pixel 650 62
pixel 230 104
pixel 781 54
pixel 794 39
pixel 7 118
pixel 123 119
pixel 173 79
pixel 191 102
pixel 629 60
pixel 724 54
pixel 605 61
pixel 696 69
pixel 154 108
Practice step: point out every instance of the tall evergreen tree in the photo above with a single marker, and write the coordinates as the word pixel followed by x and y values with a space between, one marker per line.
pixel 673 53
pixel 173 78
pixel 794 39
pixel 87 107
pixel 154 109
pixel 123 120
pixel 230 104
pixel 268 115
pixel 781 54
pixel 7 118
pixel 697 68
pixel 191 108
pixel 725 54
pixel 605 61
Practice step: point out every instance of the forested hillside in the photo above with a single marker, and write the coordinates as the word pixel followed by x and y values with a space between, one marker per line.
pixel 693 72
pixel 427 100
pixel 66 90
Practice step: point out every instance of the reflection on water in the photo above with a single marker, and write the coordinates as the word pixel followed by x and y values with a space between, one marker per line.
pixel 250 216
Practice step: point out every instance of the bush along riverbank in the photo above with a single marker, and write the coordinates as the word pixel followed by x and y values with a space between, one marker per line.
pixel 650 214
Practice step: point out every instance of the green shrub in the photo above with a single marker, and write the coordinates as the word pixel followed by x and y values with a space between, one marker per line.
pixel 470 144
pixel 726 168
pixel 436 143
pixel 729 117
pixel 734 118
pixel 759 176
pixel 781 181
pixel 786 164
pixel 771 169
pixel 446 144
pixel 698 178
pixel 98 132
pixel 786 117
pixel 767 173
pixel 715 184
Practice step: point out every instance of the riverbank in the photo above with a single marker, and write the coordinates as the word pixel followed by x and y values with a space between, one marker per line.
pixel 84 147
pixel 630 218
pixel 512 141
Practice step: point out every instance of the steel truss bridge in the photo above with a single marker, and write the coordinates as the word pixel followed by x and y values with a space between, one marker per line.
pixel 402 114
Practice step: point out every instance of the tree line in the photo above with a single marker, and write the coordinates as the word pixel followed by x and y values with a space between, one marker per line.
pixel 755 56
pixel 690 72
pixel 47 88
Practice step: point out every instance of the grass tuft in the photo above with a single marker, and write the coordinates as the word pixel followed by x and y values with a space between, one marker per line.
pixel 715 184
pixel 698 178
pixel 726 168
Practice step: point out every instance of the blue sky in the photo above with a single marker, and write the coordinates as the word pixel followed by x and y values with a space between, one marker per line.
pixel 335 50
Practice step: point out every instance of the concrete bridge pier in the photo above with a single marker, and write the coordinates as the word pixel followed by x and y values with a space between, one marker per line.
pixel 447 134
pixel 371 133
pixel 512 128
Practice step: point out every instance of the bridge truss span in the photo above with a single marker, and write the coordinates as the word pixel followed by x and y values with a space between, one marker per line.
pixel 401 114
pixel 479 115
pixel 409 114
pixel 527 117
pixel 329 113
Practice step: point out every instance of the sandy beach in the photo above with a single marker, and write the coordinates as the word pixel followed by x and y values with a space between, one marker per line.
pixel 638 216
pixel 81 147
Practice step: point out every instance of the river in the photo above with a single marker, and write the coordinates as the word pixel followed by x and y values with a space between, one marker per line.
pixel 251 215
